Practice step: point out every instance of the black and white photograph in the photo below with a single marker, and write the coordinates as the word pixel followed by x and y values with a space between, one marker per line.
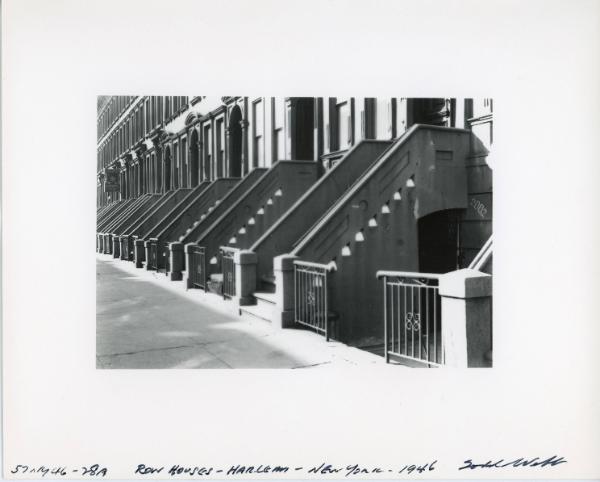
pixel 378 261
pixel 297 232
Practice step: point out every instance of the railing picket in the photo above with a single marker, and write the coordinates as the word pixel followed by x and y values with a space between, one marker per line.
pixel 295 295
pixel 419 330
pixel 385 322
pixel 435 331
pixel 404 313
pixel 394 302
pixel 427 321
pixel 324 314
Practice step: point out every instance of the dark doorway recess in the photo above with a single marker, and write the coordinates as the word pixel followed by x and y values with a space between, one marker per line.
pixel 439 242
pixel 235 142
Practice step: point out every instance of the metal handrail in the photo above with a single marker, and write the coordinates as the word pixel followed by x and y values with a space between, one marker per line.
pixel 327 267
pixel 231 249
pixel 406 274
pixel 482 257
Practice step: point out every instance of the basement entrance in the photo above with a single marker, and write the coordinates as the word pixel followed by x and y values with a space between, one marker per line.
pixel 439 242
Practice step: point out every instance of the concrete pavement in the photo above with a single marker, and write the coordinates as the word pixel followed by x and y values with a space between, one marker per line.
pixel 143 320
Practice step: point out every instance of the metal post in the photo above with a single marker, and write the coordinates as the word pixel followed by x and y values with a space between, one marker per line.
pixel 326 314
pixel 385 334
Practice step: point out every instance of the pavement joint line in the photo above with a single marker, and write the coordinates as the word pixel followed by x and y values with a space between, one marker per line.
pixel 218 357
pixel 154 349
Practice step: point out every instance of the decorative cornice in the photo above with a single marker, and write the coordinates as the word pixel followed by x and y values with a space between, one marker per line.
pixel 140 147
pixel 191 119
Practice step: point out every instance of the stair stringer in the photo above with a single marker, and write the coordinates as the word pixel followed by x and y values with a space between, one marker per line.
pixel 292 178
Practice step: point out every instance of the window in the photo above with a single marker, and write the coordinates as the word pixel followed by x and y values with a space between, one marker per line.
pixel 176 166
pixel 288 129
pixel 140 114
pixel 278 141
pixel 147 116
pixel 184 162
pixel 220 147
pixel 153 118
pixel 133 128
pixel 369 119
pixel 258 132
pixel 344 124
pixel 155 178
pixel 207 152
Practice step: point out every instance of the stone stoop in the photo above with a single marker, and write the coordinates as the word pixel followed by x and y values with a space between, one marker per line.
pixel 263 309
pixel 267 283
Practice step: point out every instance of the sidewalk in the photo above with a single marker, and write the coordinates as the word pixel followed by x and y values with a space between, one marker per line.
pixel 143 320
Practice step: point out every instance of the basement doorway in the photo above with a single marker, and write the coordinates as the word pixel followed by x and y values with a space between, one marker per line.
pixel 439 242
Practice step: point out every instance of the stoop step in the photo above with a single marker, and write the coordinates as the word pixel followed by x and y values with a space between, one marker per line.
pixel 267 283
pixel 264 307
pixel 261 312
pixel 264 297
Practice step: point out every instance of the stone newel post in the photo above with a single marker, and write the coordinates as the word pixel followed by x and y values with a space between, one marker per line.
pixel 188 262
pixel 466 318
pixel 177 261
pixel 245 275
pixel 283 268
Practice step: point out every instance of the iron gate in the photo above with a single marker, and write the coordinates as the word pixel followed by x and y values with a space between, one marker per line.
pixel 197 267
pixel 311 296
pixel 152 254
pixel 228 269
pixel 412 317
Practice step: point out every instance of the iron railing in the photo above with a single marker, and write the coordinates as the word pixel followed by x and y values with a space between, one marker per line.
pixel 197 267
pixel 412 317
pixel 152 254
pixel 228 270
pixel 311 296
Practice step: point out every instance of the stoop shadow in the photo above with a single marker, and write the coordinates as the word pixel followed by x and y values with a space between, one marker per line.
pixel 152 323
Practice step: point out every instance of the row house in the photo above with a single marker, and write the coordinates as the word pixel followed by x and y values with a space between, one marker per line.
pixel 368 220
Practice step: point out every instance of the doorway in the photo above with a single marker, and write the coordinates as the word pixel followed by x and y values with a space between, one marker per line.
pixel 235 142
pixel 439 242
